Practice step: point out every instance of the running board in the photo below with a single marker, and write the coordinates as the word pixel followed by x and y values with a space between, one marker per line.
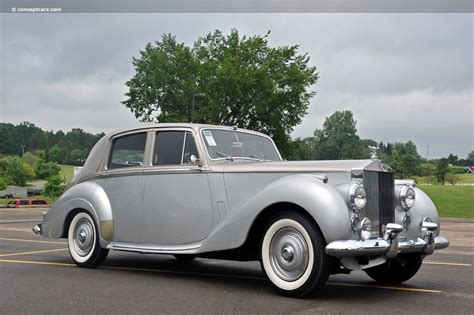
pixel 153 249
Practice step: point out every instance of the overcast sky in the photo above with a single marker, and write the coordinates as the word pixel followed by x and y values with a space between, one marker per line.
pixel 404 76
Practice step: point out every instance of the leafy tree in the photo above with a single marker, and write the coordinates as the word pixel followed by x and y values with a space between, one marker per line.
pixel 408 165
pixel 470 159
pixel 302 149
pixel 3 184
pixel 55 154
pixel 338 139
pixel 428 172
pixel 46 169
pixel 451 178
pixel 54 187
pixel 41 154
pixel 452 159
pixel 15 171
pixel 442 168
pixel 245 81
pixel 30 158
pixel 77 157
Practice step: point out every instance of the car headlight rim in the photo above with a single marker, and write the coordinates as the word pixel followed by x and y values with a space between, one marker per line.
pixel 407 197
pixel 357 197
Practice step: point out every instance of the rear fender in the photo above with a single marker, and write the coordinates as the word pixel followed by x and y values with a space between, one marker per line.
pixel 88 196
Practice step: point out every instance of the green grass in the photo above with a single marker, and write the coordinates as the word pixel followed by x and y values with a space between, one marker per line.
pixel 452 201
pixel 67 172
pixel 466 178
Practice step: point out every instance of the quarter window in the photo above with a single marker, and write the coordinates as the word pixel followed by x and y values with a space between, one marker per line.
pixel 128 151
pixel 174 148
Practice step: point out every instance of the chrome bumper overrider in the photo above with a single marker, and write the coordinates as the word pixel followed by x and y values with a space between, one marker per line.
pixel 389 246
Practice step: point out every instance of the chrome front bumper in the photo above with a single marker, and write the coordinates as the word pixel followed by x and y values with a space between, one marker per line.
pixel 389 246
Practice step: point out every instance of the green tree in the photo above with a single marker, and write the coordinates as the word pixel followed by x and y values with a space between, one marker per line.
pixel 428 173
pixel 338 139
pixel 3 184
pixel 30 158
pixel 451 178
pixel 245 81
pixel 56 154
pixel 408 165
pixel 54 187
pixel 46 169
pixel 77 157
pixel 41 154
pixel 452 159
pixel 15 171
pixel 442 168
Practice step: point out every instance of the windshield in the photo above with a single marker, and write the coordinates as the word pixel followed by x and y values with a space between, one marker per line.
pixel 228 143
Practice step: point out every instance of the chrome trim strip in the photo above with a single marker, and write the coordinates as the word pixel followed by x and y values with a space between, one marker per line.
pixel 153 249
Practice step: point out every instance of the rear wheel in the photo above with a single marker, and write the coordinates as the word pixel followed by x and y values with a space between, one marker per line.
pixel 292 255
pixel 397 270
pixel 83 242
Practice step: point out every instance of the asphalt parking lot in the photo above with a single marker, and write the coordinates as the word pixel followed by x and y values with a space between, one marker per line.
pixel 37 276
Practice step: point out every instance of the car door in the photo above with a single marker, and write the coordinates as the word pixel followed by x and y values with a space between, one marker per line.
pixel 122 181
pixel 176 200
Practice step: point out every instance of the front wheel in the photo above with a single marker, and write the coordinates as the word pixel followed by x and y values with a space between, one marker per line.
pixel 292 255
pixel 83 242
pixel 397 270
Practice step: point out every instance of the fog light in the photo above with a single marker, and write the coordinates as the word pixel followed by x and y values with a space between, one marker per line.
pixel 365 229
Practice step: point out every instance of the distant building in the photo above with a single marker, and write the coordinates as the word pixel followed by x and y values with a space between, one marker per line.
pixel 470 169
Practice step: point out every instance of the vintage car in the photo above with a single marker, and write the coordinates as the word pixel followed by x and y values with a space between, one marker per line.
pixel 193 190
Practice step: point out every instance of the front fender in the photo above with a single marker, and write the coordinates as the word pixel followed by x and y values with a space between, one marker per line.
pixel 322 201
pixel 88 196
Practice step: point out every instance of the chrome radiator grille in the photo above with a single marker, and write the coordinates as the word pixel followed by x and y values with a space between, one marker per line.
pixel 380 189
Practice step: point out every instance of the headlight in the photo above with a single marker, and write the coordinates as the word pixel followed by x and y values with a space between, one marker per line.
pixel 357 197
pixel 365 229
pixel 407 197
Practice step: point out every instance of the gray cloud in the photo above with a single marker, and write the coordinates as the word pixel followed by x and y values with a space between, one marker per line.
pixel 405 76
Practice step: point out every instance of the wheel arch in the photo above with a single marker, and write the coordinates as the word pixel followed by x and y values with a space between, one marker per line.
pixel 87 197
pixel 256 231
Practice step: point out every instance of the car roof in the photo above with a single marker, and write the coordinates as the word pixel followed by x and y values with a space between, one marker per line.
pixel 196 127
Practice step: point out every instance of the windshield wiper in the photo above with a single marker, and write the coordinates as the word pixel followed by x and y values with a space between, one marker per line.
pixel 226 156
pixel 254 156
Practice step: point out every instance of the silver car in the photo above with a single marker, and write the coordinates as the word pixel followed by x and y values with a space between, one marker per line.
pixel 222 192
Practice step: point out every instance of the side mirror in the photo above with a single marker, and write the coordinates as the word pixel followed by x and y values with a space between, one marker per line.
pixel 195 160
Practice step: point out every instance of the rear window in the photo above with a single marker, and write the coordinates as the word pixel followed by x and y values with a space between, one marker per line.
pixel 128 151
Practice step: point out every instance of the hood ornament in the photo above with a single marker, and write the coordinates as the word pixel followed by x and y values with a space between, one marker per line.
pixel 373 152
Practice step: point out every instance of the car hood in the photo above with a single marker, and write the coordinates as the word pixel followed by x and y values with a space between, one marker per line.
pixel 354 166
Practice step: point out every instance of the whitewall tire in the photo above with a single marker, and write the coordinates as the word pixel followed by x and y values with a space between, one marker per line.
pixel 83 241
pixel 292 255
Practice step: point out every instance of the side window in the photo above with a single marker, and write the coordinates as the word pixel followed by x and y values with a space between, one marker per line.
pixel 35 202
pixel 189 149
pixel 168 148
pixel 174 148
pixel 128 151
pixel 24 202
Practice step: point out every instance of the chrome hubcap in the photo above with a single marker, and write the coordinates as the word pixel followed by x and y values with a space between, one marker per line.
pixel 288 254
pixel 83 237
